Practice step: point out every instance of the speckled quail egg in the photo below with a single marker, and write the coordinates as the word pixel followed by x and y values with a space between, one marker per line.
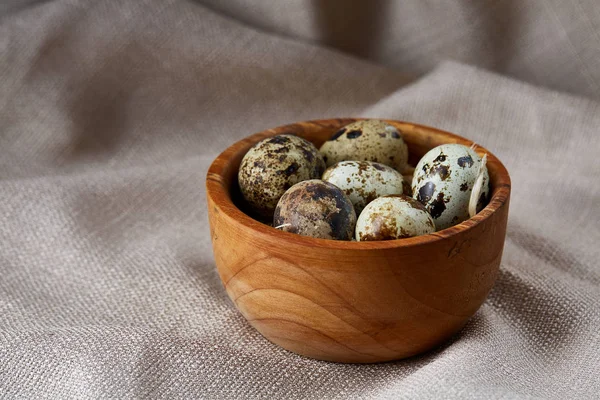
pixel 443 181
pixel 367 140
pixel 364 181
pixel 393 217
pixel 274 165
pixel 316 208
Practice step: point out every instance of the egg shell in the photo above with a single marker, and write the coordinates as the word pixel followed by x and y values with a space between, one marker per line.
pixel 316 208
pixel 393 217
pixel 274 165
pixel 443 181
pixel 364 181
pixel 367 140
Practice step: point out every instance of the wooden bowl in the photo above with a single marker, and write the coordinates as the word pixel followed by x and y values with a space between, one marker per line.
pixel 354 302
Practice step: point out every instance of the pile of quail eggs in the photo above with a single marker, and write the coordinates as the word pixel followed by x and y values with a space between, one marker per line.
pixel 353 187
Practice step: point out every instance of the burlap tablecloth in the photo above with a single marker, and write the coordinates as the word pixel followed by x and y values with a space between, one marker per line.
pixel 111 112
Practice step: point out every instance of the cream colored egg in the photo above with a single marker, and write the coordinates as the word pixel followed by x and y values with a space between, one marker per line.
pixel 367 140
pixel 393 217
pixel 443 181
pixel 364 181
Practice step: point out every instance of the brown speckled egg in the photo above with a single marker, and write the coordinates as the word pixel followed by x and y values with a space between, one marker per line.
pixel 364 181
pixel 393 217
pixel 316 208
pixel 443 181
pixel 274 165
pixel 367 140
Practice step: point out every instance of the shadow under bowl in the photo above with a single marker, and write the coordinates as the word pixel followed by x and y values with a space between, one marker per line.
pixel 355 302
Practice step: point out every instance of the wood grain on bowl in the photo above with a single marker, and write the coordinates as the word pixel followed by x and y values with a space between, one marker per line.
pixel 355 301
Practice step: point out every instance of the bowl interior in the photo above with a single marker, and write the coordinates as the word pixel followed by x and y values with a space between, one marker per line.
pixel 222 183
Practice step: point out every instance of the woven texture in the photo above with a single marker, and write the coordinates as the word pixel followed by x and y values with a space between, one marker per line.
pixel 111 112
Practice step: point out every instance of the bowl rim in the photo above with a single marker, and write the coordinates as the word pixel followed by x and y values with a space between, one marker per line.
pixel 218 192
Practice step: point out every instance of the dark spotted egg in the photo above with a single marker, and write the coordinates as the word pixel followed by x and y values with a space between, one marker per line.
pixel 443 181
pixel 393 217
pixel 316 208
pixel 274 165
pixel 367 140
pixel 364 181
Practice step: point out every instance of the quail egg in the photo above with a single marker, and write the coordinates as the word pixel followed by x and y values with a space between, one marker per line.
pixel 316 208
pixel 393 217
pixel 443 181
pixel 274 165
pixel 367 140
pixel 364 181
